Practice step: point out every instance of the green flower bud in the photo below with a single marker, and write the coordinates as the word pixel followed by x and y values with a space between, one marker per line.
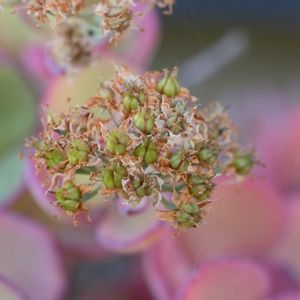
pixel 190 208
pixel 200 187
pixel 141 188
pixel 117 142
pixel 68 196
pixel 101 113
pixel 78 152
pixel 148 151
pixel 177 159
pixel 151 154
pixel 105 94
pixel 243 163
pixel 175 123
pixel 207 155
pixel 169 85
pixel 108 178
pixel 112 177
pixel 54 158
pixel 182 217
pixel 144 122
pixel 130 103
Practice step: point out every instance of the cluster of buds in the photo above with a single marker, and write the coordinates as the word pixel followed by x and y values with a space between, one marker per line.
pixel 116 16
pixel 72 44
pixel 141 136
pixel 44 10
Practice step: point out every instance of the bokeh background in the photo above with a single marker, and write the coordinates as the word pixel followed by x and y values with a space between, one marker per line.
pixel 244 54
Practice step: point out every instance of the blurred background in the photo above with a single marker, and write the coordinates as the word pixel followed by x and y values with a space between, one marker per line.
pixel 244 54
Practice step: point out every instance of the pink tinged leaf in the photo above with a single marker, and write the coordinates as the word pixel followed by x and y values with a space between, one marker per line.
pixel 37 60
pixel 165 267
pixel 227 280
pixel 245 218
pixel 77 241
pixel 128 233
pixel 10 291
pixel 287 250
pixel 11 178
pixel 287 296
pixel 64 91
pixel 30 258
pixel 279 148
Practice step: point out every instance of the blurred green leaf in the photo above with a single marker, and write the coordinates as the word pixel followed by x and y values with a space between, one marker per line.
pixel 16 110
pixel 10 175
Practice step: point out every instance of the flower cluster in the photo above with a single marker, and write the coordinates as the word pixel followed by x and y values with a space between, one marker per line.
pixel 140 137
pixel 44 10
pixel 116 16
pixel 72 45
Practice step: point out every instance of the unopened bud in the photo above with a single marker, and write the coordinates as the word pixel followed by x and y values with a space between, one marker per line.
pixel 177 159
pixel 117 142
pixel 207 155
pixel 144 122
pixel 68 196
pixel 169 85
pixel 148 151
pixel 243 163
pixel 54 158
pixel 191 208
pixel 130 103
pixel 200 187
pixel 112 177
pixel 78 152
pixel 141 188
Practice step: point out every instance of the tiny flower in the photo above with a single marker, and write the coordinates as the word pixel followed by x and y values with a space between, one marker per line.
pixel 200 186
pixel 243 162
pixel 117 142
pixel 68 196
pixel 147 150
pixel 77 152
pixel 144 122
pixel 112 176
pixel 54 158
pixel 208 155
pixel 169 85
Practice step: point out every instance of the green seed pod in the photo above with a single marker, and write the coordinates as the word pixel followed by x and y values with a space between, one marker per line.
pixel 191 208
pixel 141 98
pixel 119 174
pixel 108 178
pixel 117 142
pixel 77 152
pixel 182 217
pixel 139 121
pixel 177 159
pixel 144 122
pixel 151 154
pixel 200 187
pixel 169 85
pixel 172 120
pixel 146 150
pixel 195 179
pixel 150 125
pixel 54 158
pixel 243 163
pixel 68 196
pixel 207 155
pixel 112 176
pixel 130 103
pixel 140 150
